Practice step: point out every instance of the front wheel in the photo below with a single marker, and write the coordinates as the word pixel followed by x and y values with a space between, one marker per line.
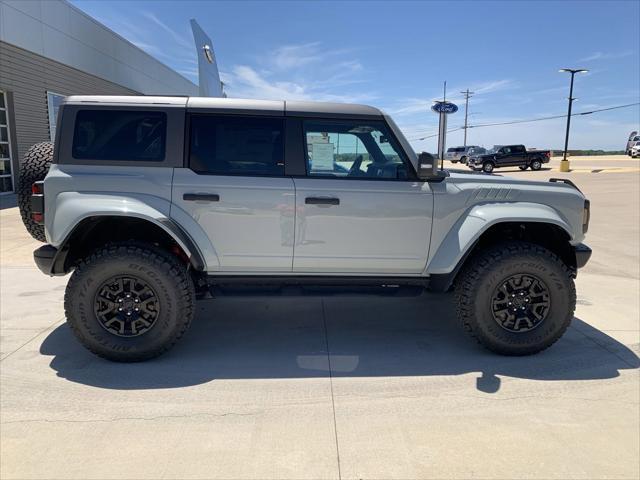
pixel 516 298
pixel 487 167
pixel 536 165
pixel 129 302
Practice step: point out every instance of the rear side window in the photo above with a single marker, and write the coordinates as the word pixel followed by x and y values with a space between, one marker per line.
pixel 120 135
pixel 518 149
pixel 227 145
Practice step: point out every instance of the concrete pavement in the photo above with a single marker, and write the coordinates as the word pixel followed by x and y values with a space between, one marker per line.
pixel 331 386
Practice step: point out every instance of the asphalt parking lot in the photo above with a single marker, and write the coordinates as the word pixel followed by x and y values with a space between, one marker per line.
pixel 334 386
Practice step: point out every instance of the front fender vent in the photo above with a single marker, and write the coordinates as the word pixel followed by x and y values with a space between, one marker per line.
pixel 489 194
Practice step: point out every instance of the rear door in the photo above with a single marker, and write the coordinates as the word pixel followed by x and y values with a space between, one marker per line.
pixel 234 188
pixel 518 155
pixel 360 208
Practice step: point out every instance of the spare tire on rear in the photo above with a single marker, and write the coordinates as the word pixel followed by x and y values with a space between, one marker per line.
pixel 34 167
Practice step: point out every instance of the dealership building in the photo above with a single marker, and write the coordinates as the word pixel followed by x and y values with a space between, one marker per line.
pixel 50 49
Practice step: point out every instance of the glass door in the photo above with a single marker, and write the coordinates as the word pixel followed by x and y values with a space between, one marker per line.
pixel 6 177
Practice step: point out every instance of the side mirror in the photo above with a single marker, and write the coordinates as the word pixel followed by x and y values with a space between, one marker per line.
pixel 427 166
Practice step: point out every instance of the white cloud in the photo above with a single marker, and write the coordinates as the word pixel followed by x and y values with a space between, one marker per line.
pixel 412 106
pixel 299 72
pixel 181 40
pixel 606 56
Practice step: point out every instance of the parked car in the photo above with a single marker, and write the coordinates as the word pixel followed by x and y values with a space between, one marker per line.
pixel 509 156
pixel 634 139
pixel 150 202
pixel 461 154
pixel 635 151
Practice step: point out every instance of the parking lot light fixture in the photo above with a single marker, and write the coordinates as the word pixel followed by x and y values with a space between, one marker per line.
pixel 564 164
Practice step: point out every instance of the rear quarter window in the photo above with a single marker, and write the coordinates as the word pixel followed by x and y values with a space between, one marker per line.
pixel 133 135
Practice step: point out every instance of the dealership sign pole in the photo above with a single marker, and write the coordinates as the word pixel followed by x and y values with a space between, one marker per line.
pixel 443 108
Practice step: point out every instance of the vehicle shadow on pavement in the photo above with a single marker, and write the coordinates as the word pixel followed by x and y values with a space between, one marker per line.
pixel 290 337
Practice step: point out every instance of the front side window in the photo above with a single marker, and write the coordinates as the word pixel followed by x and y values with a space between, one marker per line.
pixel 353 149
pixel 120 135
pixel 227 145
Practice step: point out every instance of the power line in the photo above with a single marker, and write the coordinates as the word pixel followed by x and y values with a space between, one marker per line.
pixel 435 134
pixel 553 117
pixel 531 120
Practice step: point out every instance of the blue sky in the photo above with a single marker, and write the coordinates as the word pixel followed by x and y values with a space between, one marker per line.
pixel 395 55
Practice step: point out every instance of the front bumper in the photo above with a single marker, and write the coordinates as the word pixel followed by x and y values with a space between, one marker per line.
pixel 583 254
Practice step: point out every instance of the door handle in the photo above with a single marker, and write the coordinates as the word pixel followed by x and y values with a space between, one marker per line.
pixel 322 201
pixel 206 197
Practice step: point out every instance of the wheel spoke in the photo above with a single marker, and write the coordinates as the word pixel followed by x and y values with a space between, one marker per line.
pixel 126 306
pixel 520 303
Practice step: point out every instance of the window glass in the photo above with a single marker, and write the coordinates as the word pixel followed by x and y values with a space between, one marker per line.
pixel 237 145
pixel 353 150
pixel 119 135
pixel 53 104
pixel 517 149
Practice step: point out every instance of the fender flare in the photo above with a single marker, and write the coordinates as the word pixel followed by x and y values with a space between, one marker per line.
pixel 466 232
pixel 72 209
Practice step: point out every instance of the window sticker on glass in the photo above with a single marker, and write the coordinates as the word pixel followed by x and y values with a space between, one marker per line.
pixel 322 156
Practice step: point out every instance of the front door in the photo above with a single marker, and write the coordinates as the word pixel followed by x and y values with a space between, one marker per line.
pixel 360 209
pixel 235 190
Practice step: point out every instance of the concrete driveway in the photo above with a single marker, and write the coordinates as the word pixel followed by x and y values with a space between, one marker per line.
pixel 330 386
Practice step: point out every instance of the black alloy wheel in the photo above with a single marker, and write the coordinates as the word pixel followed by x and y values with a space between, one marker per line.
pixel 126 306
pixel 521 303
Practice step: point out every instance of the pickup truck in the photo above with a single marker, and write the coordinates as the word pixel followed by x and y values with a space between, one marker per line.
pixel 509 156
pixel 152 202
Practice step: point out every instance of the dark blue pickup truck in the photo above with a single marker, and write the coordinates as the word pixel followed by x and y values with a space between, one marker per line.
pixel 509 156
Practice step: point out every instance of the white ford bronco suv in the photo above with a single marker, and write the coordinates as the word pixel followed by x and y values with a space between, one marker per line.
pixel 150 201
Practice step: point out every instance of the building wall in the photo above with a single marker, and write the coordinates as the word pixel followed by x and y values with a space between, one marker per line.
pixel 57 30
pixel 27 77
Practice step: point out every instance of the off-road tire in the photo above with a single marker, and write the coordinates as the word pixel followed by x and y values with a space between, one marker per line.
pixel 166 275
pixel 485 271
pixel 523 167
pixel 463 160
pixel 34 167
pixel 487 167
pixel 536 165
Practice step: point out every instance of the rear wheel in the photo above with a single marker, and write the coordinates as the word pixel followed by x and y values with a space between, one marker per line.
pixel 516 298
pixel 488 167
pixel 129 302
pixel 536 165
pixel 34 167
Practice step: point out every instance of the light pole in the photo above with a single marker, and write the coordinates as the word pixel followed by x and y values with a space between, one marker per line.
pixel 564 164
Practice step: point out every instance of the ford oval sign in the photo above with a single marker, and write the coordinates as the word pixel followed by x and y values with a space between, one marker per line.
pixel 444 107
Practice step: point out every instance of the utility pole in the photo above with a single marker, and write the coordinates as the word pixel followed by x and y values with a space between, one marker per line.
pixel 467 94
pixel 564 164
